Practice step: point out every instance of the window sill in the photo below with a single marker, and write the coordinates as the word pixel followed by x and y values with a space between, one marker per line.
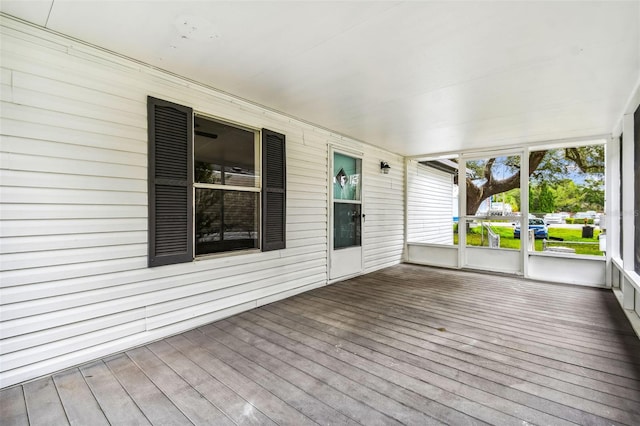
pixel 225 254
pixel 569 256
pixel 437 245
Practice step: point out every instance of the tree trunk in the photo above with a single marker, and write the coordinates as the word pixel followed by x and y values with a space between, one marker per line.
pixel 474 198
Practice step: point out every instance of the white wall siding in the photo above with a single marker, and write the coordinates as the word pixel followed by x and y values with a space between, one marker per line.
pixel 429 205
pixel 384 209
pixel 73 232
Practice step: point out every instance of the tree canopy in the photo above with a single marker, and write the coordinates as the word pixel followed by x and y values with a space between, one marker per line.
pixel 547 169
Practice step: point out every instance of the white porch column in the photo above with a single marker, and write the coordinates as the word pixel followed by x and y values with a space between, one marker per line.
pixel 628 207
pixel 612 203
pixel 524 211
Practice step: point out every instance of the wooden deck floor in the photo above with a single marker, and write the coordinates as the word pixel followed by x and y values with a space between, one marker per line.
pixel 405 345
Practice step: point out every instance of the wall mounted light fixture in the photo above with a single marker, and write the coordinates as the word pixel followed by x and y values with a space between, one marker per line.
pixel 384 167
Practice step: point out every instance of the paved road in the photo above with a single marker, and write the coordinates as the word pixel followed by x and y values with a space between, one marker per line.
pixel 553 225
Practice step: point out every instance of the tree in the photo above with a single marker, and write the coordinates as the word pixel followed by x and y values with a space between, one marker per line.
pixel 534 199
pixel 512 197
pixel 546 199
pixel 498 175
pixel 593 194
pixel 567 195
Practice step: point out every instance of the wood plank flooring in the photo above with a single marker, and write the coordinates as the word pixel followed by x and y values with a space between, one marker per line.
pixel 405 345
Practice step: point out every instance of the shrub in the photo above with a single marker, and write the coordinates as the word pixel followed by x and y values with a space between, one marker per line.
pixel 573 220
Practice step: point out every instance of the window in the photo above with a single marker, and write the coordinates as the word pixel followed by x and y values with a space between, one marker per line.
pixel 210 189
pixel 347 202
pixel 227 187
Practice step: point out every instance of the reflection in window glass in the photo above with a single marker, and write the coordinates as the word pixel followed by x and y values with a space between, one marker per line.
pixel 225 156
pixel 219 147
pixel 347 213
pixel 225 220
pixel 347 225
pixel 346 177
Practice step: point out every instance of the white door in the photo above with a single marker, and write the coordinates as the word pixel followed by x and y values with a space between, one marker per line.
pixel 345 216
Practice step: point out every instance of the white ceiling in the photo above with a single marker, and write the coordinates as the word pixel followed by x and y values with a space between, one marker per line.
pixel 413 77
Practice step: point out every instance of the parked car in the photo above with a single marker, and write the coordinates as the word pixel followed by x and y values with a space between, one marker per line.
pixel 553 218
pixel 585 215
pixel 540 229
pixel 531 216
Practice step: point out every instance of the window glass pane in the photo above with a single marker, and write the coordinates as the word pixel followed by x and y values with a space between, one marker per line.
pixel 225 220
pixel 207 173
pixel 208 222
pixel 346 225
pixel 346 177
pixel 219 147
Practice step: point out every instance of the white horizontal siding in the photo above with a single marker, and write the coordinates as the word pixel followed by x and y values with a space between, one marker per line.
pixel 73 233
pixel 384 208
pixel 70 344
pixel 37 259
pixel 61 242
pixel 35 163
pixel 429 205
pixel 25 194
pixel 18 178
pixel 71 98
pixel 102 129
pixel 18 228
pixel 23 341
pixel 28 211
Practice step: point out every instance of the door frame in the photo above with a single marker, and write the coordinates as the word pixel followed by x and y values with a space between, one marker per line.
pixel 330 215
pixel 463 249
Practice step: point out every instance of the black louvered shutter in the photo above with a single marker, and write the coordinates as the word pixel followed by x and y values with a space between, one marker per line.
pixel 170 178
pixel 274 194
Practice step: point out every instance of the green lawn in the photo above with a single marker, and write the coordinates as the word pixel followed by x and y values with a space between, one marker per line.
pixel 507 241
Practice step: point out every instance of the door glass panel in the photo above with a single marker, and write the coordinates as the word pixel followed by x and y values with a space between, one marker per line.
pixel 346 225
pixel 346 177
pixel 493 203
